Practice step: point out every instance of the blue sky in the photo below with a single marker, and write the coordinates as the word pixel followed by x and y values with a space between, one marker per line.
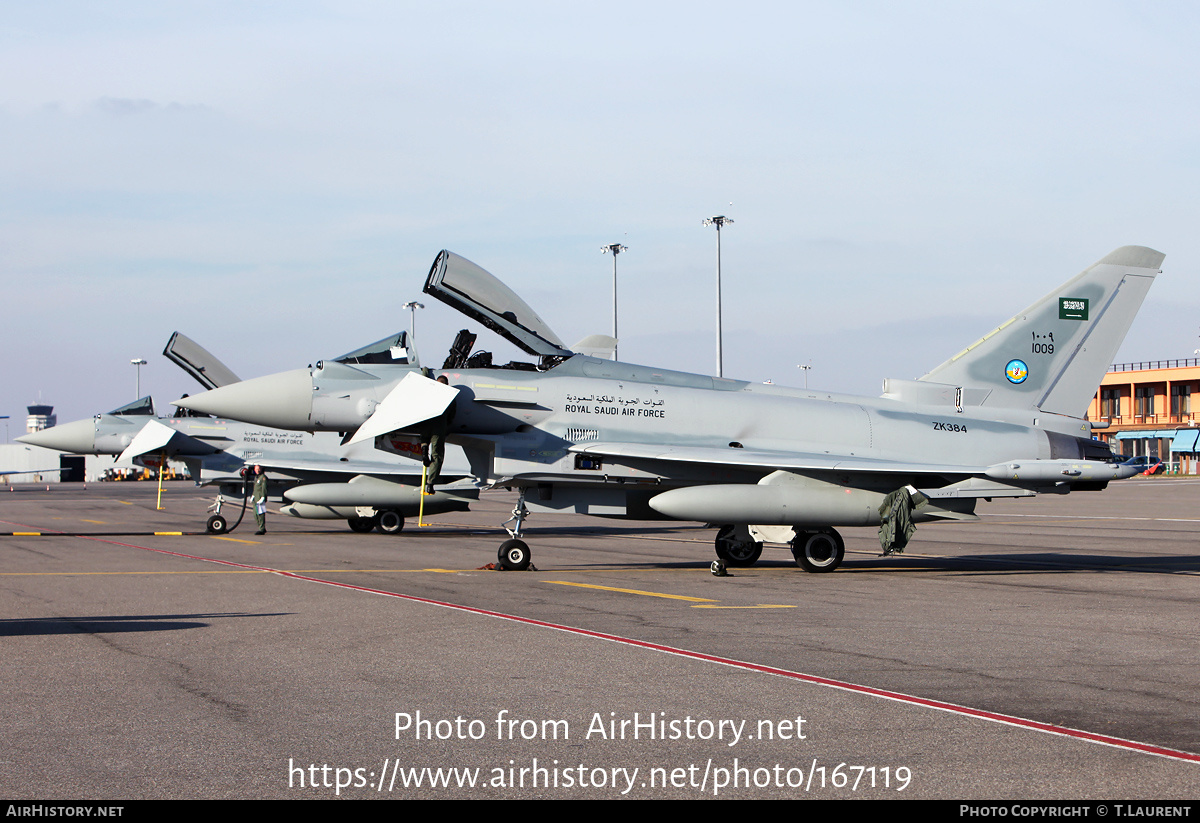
pixel 275 179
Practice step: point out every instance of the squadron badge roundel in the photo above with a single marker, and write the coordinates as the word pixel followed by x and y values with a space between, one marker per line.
pixel 1016 371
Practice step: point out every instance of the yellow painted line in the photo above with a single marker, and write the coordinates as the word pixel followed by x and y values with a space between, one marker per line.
pixel 101 522
pixel 634 591
pixel 897 569
pixel 234 539
pixel 759 606
pixel 124 502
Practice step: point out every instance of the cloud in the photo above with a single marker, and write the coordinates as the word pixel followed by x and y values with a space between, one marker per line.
pixel 124 107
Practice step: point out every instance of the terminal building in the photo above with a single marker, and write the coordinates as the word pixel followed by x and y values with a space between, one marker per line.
pixel 1149 409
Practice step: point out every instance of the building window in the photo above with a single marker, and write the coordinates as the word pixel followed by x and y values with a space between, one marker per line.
pixel 1181 400
pixel 1143 401
pixel 1110 404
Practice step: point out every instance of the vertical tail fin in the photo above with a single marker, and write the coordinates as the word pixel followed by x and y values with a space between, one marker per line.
pixel 1053 355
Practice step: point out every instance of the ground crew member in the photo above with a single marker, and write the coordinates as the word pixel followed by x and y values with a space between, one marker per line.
pixel 259 496
pixel 435 446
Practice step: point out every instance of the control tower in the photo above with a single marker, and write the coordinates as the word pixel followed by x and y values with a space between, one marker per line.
pixel 40 417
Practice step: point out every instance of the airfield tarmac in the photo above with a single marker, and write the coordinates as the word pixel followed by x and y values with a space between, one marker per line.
pixel 192 666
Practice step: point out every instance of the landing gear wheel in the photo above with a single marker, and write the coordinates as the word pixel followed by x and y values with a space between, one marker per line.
pixel 819 551
pixel 216 525
pixel 514 556
pixel 362 525
pixel 389 521
pixel 736 550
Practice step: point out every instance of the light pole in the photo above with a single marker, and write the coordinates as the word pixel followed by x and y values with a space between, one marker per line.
pixel 412 307
pixel 138 362
pixel 614 249
pixel 807 367
pixel 718 221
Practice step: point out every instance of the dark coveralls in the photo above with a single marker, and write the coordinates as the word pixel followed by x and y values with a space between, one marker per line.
pixel 433 440
pixel 259 495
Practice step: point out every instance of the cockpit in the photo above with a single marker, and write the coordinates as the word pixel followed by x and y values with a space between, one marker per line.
pixel 141 406
pixel 393 349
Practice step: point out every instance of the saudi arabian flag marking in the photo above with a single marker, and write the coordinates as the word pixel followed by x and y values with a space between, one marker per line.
pixel 1072 308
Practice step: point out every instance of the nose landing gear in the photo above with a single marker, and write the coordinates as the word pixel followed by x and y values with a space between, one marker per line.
pixel 514 554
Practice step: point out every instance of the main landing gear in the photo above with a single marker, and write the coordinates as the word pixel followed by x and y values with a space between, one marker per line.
pixel 388 521
pixel 821 551
pixel 384 521
pixel 736 547
pixel 362 525
pixel 814 551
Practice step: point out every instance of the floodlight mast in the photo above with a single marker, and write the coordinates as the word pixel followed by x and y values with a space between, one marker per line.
pixel 412 307
pixel 614 249
pixel 718 221
pixel 139 362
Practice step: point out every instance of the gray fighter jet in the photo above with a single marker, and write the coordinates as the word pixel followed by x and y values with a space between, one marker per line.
pixel 1002 418
pixel 321 478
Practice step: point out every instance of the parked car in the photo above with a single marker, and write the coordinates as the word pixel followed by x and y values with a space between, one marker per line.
pixel 1146 464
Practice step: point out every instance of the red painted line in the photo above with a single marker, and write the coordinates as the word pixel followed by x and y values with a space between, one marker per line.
pixel 899 697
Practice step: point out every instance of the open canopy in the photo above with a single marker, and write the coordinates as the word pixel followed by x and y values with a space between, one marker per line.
pixel 198 362
pixel 476 293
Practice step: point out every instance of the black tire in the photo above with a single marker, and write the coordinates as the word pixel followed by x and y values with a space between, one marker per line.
pixel 514 556
pixel 389 521
pixel 216 525
pixel 819 552
pixel 362 525
pixel 736 553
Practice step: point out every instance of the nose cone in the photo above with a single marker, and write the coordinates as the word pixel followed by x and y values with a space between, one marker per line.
pixel 78 437
pixel 280 401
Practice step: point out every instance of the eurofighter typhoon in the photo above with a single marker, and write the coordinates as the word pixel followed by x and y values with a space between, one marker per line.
pixel 1002 418
pixel 318 476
